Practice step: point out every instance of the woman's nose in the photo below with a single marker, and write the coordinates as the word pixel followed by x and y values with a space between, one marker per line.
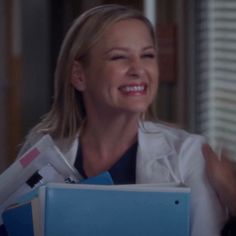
pixel 136 68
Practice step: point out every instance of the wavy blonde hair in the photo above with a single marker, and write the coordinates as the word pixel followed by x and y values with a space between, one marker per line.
pixel 68 112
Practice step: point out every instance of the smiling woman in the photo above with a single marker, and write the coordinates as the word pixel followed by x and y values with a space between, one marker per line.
pixel 105 85
pixel 127 70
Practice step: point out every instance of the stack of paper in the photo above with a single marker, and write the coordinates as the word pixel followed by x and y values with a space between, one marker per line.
pixel 41 164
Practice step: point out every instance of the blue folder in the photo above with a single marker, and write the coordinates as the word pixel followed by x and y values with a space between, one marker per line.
pixel 104 179
pixel 114 210
pixel 18 218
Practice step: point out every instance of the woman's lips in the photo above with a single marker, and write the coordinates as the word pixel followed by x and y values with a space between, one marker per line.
pixel 134 89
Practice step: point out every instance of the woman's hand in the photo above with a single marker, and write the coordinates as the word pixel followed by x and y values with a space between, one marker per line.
pixel 222 175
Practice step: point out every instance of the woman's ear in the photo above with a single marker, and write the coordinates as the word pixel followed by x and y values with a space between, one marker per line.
pixel 77 76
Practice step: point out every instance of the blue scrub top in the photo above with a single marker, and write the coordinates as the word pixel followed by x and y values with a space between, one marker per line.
pixel 122 172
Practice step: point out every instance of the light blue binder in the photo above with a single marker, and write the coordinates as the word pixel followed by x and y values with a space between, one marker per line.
pixel 89 210
pixel 18 218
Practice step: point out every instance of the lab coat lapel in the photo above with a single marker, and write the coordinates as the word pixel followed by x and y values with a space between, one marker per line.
pixel 155 157
pixel 69 148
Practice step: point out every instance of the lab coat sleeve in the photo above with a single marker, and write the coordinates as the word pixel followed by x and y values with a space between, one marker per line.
pixel 207 214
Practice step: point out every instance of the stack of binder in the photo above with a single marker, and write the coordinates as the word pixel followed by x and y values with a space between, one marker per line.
pixel 39 204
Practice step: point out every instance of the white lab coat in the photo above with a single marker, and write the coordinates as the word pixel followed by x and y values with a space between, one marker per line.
pixel 166 154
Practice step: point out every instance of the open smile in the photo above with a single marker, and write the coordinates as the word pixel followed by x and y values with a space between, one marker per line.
pixel 134 89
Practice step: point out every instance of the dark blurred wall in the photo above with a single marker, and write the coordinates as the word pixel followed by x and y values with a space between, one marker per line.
pixel 3 89
pixel 35 61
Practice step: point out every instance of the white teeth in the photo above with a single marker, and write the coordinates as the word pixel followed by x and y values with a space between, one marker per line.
pixel 137 88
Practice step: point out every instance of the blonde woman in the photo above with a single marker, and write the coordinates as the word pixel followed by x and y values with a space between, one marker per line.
pixel 105 86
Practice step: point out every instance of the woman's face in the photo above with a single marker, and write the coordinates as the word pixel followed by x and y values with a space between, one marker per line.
pixel 122 73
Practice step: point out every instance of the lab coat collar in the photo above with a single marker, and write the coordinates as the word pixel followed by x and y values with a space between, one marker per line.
pixel 153 142
pixel 156 160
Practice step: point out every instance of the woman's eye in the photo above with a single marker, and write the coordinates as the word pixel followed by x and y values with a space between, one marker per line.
pixel 118 57
pixel 149 55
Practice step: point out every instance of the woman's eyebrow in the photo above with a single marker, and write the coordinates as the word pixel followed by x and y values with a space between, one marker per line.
pixel 149 47
pixel 116 49
pixel 127 49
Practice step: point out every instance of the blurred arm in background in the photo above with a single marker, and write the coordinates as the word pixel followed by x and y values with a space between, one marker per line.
pixel 222 175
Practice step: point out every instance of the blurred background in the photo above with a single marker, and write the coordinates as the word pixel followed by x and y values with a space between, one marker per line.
pixel 197 60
